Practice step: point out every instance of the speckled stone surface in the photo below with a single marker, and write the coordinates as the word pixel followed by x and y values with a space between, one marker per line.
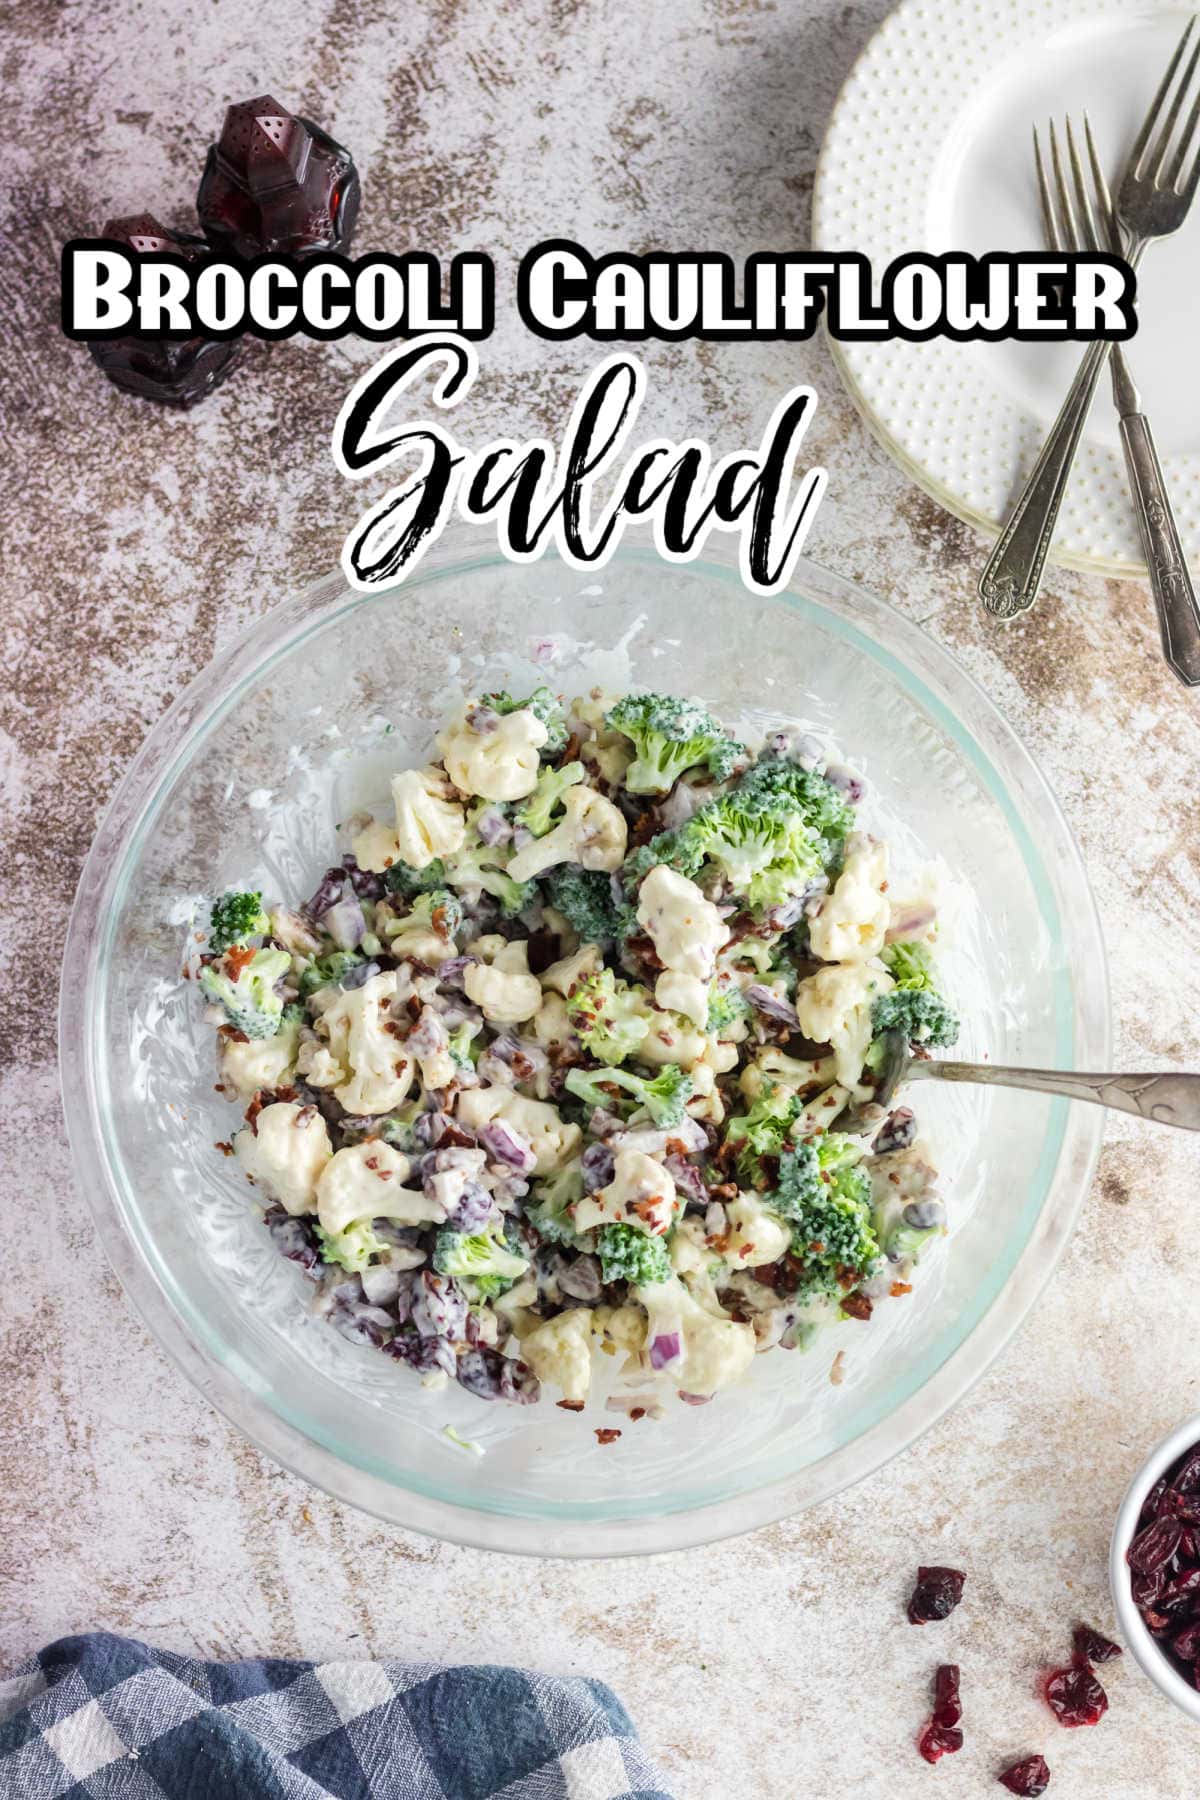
pixel 135 540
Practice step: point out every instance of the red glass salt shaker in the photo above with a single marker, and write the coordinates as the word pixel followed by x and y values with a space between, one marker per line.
pixel 173 372
pixel 276 182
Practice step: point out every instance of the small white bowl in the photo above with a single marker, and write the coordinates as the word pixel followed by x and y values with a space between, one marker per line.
pixel 1152 1660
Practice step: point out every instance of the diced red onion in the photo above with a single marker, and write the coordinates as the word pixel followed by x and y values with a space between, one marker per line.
pixel 770 1003
pixel 694 1399
pixel 492 827
pixel 504 1145
pixel 665 1349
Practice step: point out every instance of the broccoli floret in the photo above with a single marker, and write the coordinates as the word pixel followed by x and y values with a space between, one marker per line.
pixel 921 1014
pixel 436 910
pixel 775 830
pixel 762 1131
pixel 324 970
pixel 479 868
pixel 547 1212
pixel 766 853
pixel 664 1097
pixel 726 1004
pixel 234 918
pixel 352 1248
pixel 608 1016
pixel 910 964
pixel 670 735
pixel 544 706
pixel 627 1254
pixel 401 878
pixel 778 784
pixel 826 1198
pixel 243 982
pixel 480 1258
pixel 535 814
pixel 584 897
pixel 462 1044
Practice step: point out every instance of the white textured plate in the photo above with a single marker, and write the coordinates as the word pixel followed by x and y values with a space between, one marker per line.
pixel 929 148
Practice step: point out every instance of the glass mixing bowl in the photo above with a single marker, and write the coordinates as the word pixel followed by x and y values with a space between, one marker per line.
pixel 247 777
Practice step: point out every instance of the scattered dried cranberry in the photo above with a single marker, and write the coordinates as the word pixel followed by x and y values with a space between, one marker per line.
pixel 1029 1778
pixel 1074 1696
pixel 277 182
pixel 936 1742
pixel 175 373
pixel 947 1707
pixel 937 1593
pixel 1153 1548
pixel 1092 1646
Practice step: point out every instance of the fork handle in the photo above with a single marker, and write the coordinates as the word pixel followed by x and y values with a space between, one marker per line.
pixel 1013 573
pixel 1170 1099
pixel 1174 596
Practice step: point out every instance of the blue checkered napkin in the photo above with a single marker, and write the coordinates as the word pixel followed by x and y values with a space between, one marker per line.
pixel 106 1718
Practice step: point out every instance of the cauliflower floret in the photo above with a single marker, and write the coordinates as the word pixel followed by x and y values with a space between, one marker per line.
pixel 683 994
pixel 253 1064
pixel 834 1007
pixel 670 1039
pixel 624 1326
pixel 375 847
pixel 592 833
pixel 641 1193
pixel 562 975
pixel 378 1070
pixel 686 929
pixel 853 919
pixel 552 1022
pixel 500 763
pixel 429 823
pixel 776 1068
pixel 285 1152
pixel 318 1067
pixel 554 1141
pixel 504 989
pixel 713 1351
pixel 756 1235
pixel 610 752
pixel 365 1182
pixel 559 1352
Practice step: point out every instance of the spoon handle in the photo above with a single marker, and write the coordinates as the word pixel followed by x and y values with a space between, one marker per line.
pixel 1168 1099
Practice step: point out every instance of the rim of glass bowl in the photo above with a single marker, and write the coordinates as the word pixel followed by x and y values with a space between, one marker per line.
pixel 929 1390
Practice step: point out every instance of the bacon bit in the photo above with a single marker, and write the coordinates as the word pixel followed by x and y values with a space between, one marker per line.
pixel 894 1179
pixel 232 1033
pixel 636 1413
pixel 287 1093
pixel 413 1006
pixel 236 958
pixel 303 1116
pixel 570 1405
pixel 224 1148
pixel 676 1147
pixel 900 1287
pixel 399 1066
pixel 395 1030
pixel 837 1373
pixel 725 1190
pixel 745 1250
pixel 253 1110
pixel 607 1434
pixel 857 1306
pixel 453 1136
pixel 371 1162
pixel 185 974
pixel 646 1211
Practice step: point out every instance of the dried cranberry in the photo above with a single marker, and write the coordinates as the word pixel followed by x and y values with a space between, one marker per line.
pixel 1185 1477
pixel 1189 1545
pixel 937 1593
pixel 175 373
pixel 1156 1622
pixel 1186 1643
pixel 1092 1646
pixel 277 182
pixel 1029 1778
pixel 1146 1588
pixel 947 1707
pixel 1151 1503
pixel 1074 1696
pixel 1183 1591
pixel 936 1742
pixel 1185 1507
pixel 1155 1546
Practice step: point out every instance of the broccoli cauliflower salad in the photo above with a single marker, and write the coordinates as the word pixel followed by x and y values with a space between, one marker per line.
pixel 577 1051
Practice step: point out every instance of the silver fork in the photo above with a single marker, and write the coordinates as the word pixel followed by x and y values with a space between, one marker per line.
pixel 1071 224
pixel 1152 202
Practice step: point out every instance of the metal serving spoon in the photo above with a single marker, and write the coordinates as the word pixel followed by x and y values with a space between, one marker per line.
pixel 1168 1099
